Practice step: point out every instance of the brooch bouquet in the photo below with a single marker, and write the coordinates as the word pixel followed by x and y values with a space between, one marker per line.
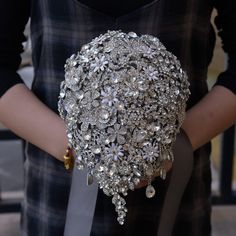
pixel 123 101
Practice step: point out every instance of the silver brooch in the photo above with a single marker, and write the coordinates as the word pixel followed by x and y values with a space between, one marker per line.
pixel 123 101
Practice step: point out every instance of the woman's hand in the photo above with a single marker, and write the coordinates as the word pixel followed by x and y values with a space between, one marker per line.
pixel 181 146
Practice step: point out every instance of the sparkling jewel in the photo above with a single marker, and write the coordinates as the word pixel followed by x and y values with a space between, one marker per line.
pixel 132 34
pixel 107 141
pixel 100 168
pixel 120 106
pixel 79 166
pixel 87 137
pixel 137 172
pixel 85 47
pixel 150 191
pixel 104 114
pixel 156 128
pixel 96 150
pixel 140 135
pixel 112 170
pixel 80 95
pixel 62 94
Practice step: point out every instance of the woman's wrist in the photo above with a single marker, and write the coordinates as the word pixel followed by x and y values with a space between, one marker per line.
pixel 60 143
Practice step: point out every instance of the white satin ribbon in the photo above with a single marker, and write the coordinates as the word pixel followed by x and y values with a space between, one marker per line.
pixel 82 199
pixel 81 205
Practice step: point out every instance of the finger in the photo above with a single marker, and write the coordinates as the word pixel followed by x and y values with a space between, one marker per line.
pixel 142 183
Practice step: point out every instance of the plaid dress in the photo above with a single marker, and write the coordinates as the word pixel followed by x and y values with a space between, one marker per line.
pixel 58 29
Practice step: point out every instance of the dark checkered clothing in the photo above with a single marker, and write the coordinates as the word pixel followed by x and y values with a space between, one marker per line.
pixel 59 28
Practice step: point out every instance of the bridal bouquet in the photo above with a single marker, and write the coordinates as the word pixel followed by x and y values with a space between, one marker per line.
pixel 123 101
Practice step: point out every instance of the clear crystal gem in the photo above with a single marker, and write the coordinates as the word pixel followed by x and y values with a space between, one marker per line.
pixel 85 47
pixel 120 107
pixel 132 35
pixel 87 137
pixel 168 140
pixel 112 170
pixel 156 128
pixel 62 94
pixel 140 135
pixel 80 95
pixel 96 150
pixel 95 103
pixel 150 191
pixel 107 141
pixel 79 166
pixel 100 168
pixel 137 172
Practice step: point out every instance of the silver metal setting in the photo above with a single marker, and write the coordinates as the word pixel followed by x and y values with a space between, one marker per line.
pixel 123 101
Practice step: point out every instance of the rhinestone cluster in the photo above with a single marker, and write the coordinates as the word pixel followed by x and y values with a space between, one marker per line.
pixel 123 101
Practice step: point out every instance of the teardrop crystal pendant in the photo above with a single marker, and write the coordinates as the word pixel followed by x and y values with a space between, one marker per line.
pixel 89 179
pixel 150 191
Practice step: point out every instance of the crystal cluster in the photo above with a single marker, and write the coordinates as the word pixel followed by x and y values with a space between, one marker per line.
pixel 123 101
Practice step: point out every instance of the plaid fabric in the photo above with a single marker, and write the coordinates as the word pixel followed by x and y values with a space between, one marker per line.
pixel 59 28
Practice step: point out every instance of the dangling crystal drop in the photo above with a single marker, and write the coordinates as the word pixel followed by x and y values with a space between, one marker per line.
pixel 163 173
pixel 150 191
pixel 89 179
